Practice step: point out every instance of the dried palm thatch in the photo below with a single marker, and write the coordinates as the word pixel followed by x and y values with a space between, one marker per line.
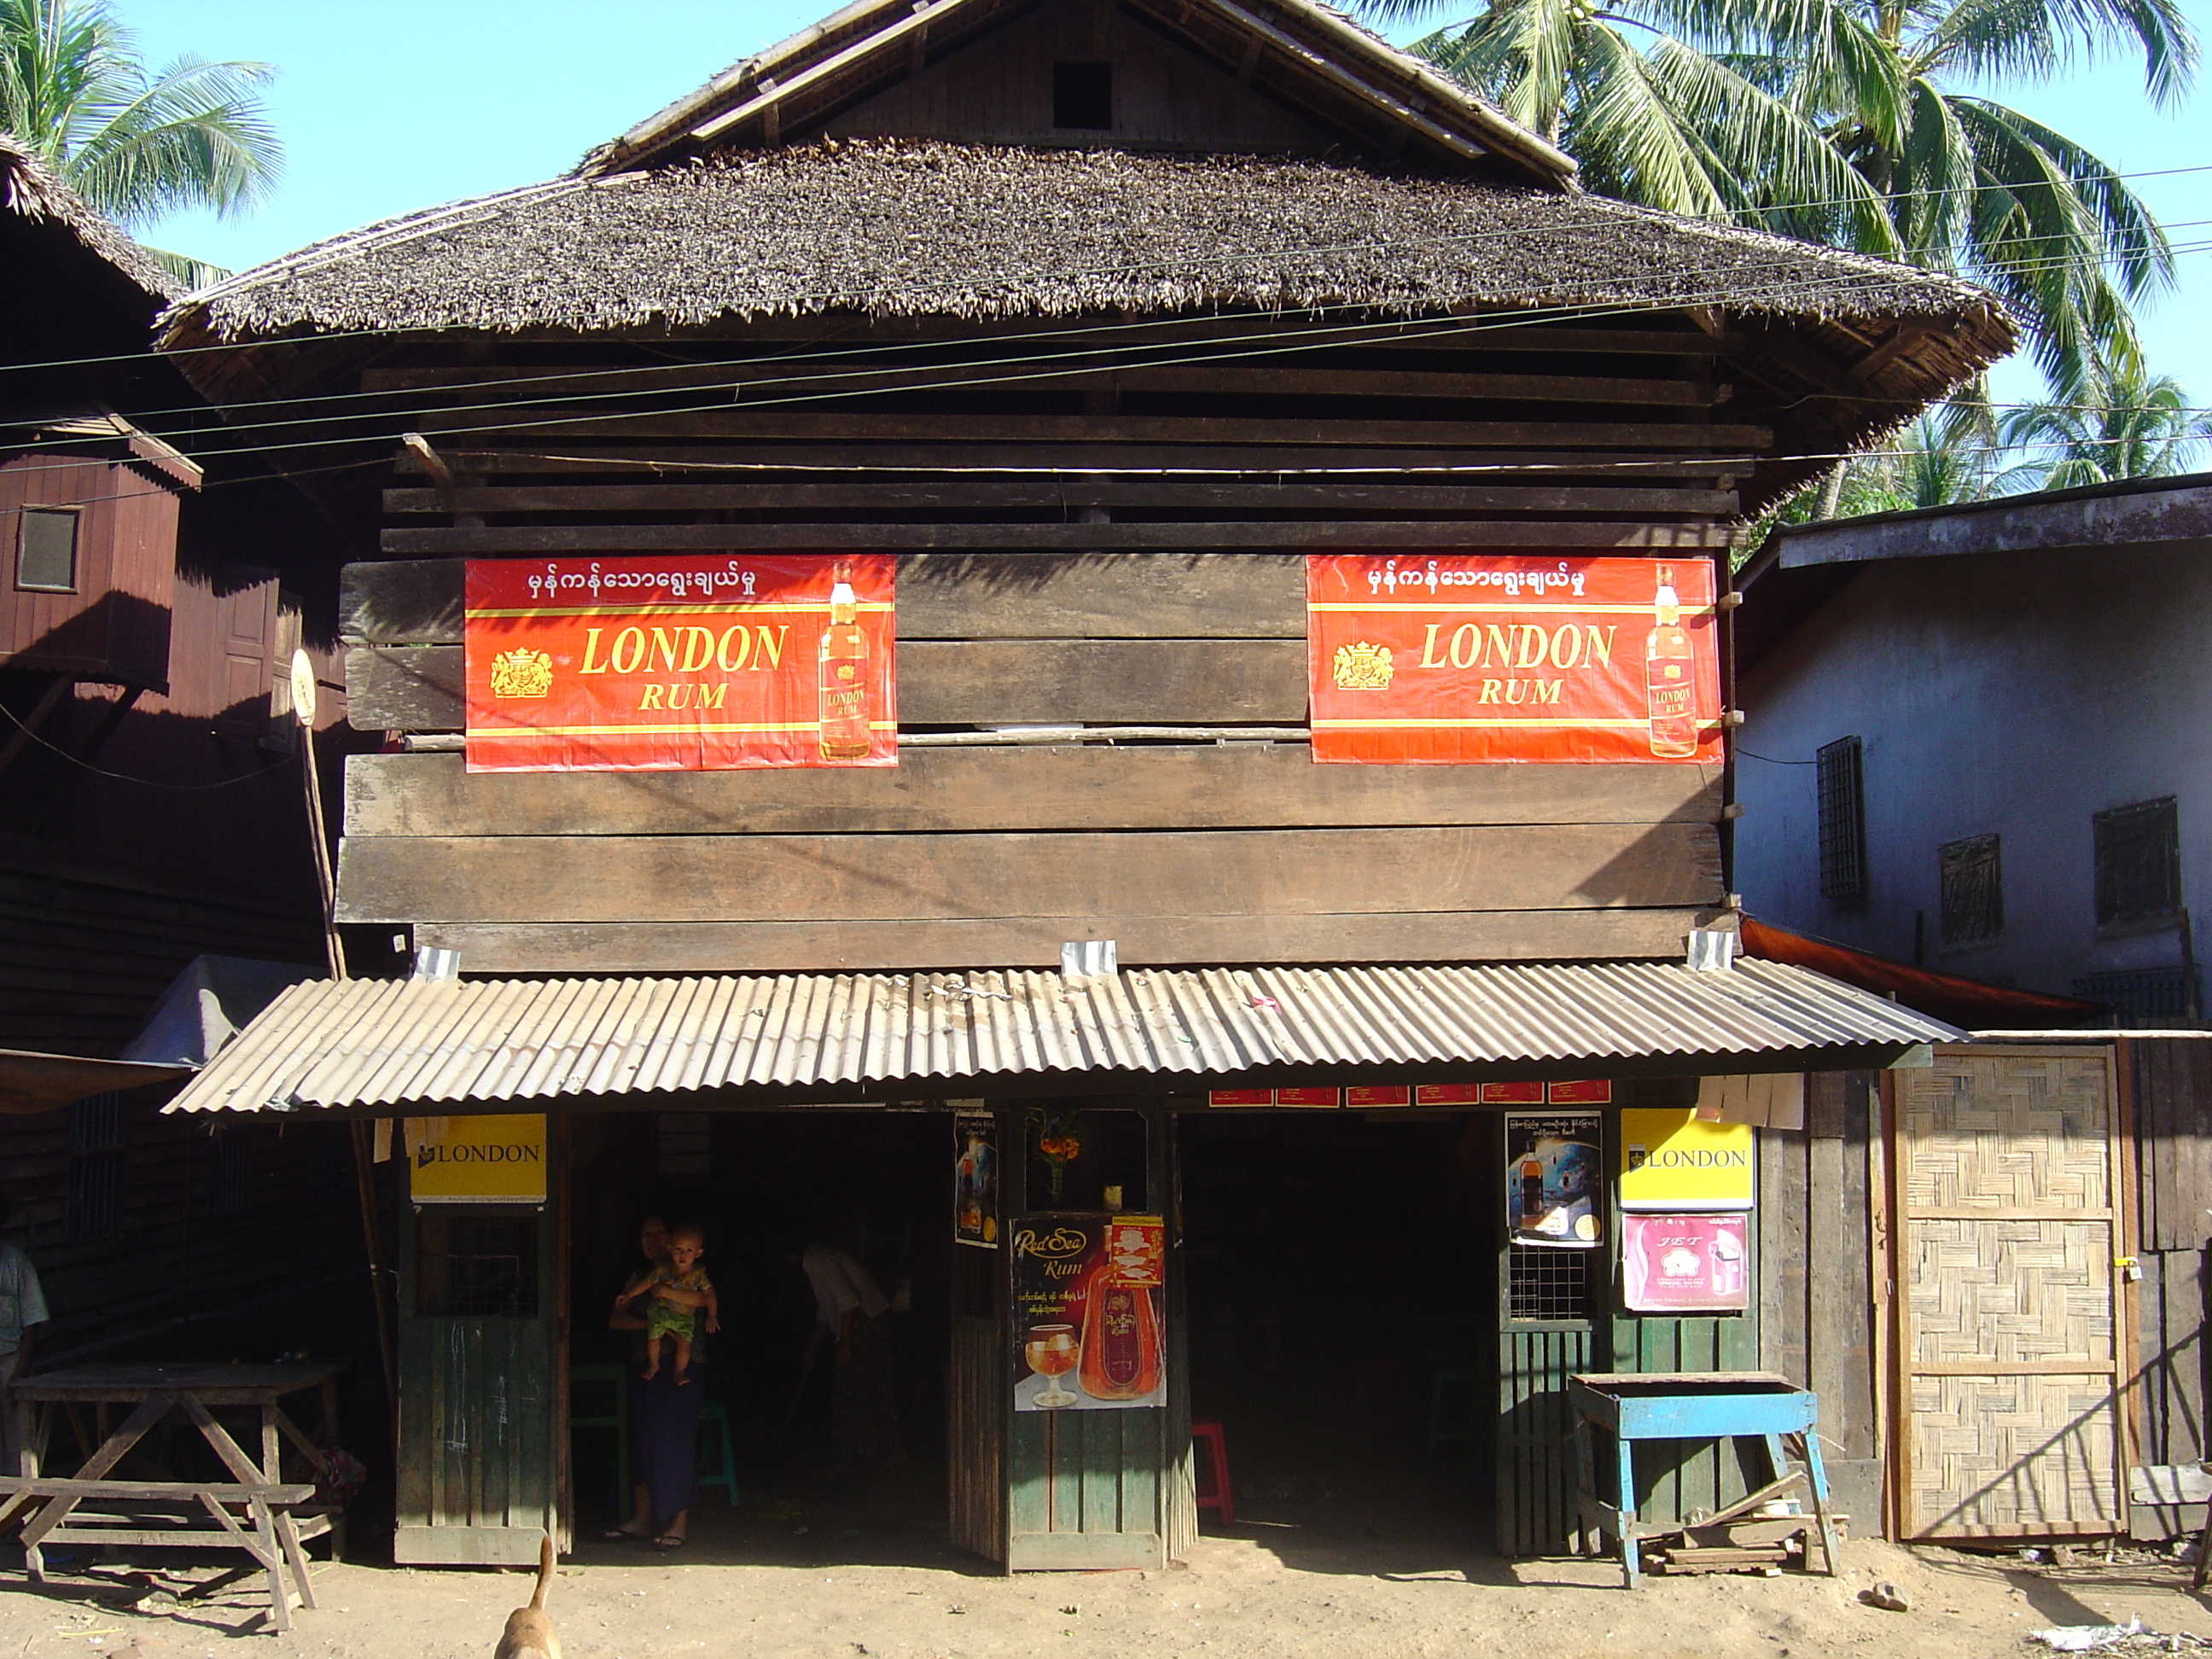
pixel 29 189
pixel 898 228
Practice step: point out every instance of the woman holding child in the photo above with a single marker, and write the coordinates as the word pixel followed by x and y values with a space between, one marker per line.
pixel 670 1383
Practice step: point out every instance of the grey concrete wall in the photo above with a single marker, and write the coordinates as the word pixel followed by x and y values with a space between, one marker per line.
pixel 2013 692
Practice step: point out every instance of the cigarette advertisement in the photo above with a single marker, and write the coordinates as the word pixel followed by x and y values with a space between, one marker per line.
pixel 1552 1185
pixel 1685 1263
pixel 1089 1326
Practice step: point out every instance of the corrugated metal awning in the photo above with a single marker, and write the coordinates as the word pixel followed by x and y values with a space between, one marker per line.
pixel 370 1043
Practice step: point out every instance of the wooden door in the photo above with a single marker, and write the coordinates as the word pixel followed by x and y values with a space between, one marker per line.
pixel 479 1385
pixel 2012 1217
pixel 1093 1489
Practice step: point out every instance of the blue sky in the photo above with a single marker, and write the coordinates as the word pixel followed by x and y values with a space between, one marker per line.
pixel 388 105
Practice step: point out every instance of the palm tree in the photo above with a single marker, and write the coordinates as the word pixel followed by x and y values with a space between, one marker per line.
pixel 134 143
pixel 1945 457
pixel 2121 424
pixel 1834 120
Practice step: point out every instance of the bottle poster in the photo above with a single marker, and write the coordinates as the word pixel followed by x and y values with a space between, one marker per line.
pixel 700 663
pixel 975 1179
pixel 1554 1187
pixel 1456 659
pixel 1089 1330
pixel 1685 1263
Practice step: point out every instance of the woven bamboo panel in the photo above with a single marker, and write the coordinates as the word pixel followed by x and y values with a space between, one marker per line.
pixel 2010 1293
pixel 1990 1450
pixel 2008 1131
pixel 2012 1456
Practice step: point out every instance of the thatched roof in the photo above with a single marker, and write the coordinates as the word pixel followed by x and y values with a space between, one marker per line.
pixel 899 229
pixel 29 189
pixel 1304 54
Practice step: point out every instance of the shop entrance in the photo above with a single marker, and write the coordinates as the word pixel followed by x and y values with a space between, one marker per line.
pixel 1340 1288
pixel 763 1187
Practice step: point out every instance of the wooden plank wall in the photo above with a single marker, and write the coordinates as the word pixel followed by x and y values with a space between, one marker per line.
pixel 1817 1248
pixel 2168 1084
pixel 1194 852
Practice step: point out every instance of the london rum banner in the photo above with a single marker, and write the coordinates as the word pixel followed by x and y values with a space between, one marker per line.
pixel 1454 660
pixel 682 664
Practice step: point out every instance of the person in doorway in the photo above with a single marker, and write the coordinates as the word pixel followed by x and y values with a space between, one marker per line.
pixel 663 1419
pixel 670 1314
pixel 22 1310
pixel 851 1312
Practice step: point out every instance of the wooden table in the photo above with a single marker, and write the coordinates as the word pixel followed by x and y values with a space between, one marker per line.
pixel 153 1392
pixel 1692 1406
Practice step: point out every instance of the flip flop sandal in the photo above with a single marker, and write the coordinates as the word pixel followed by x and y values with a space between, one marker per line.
pixel 615 1534
pixel 669 1541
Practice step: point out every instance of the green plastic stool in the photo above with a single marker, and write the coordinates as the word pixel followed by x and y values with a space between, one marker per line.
pixel 717 1471
pixel 617 1378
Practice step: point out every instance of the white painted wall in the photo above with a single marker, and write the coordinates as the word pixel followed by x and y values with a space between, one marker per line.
pixel 2013 694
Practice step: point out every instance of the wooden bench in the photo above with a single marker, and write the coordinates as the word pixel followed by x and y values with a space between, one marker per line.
pixel 259 1520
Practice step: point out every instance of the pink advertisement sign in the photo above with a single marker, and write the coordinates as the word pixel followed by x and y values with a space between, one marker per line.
pixel 1685 1263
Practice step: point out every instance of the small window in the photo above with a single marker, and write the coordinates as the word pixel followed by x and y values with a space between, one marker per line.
pixel 95 1169
pixel 1972 890
pixel 471 1267
pixel 46 550
pixel 1842 788
pixel 2138 858
pixel 1082 96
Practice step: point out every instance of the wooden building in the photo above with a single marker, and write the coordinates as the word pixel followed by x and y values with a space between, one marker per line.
pixel 1100 318
pixel 150 807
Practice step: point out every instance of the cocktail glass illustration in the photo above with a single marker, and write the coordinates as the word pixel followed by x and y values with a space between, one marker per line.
pixel 1052 1351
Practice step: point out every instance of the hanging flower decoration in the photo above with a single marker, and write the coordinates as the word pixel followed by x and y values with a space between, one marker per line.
pixel 1059 1141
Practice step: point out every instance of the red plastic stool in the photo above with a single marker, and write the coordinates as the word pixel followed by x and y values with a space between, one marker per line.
pixel 1216 1460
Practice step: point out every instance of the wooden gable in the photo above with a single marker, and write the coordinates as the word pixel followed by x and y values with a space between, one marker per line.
pixel 1029 81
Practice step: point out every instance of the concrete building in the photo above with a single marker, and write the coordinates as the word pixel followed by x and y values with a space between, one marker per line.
pixel 1980 738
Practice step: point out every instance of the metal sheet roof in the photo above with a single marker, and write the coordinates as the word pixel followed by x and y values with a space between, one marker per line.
pixel 389 1042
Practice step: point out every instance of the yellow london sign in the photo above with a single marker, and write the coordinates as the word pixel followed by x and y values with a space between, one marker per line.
pixel 478 1160
pixel 1676 1160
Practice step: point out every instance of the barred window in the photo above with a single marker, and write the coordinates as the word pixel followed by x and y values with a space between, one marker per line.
pixel 1973 880
pixel 1841 782
pixel 2138 861
pixel 231 1171
pixel 95 1169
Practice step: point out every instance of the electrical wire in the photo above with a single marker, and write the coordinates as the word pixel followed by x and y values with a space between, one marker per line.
pixel 148 783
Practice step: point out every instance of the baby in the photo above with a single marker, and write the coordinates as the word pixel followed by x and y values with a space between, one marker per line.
pixel 667 1317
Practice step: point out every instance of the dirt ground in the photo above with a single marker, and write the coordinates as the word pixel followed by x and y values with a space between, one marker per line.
pixel 815 1579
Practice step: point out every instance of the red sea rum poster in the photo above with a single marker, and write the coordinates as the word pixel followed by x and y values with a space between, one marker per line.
pixel 680 664
pixel 1452 659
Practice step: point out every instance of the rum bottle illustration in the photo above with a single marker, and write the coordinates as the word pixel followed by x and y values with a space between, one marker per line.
pixel 843 676
pixel 1669 676
pixel 1121 1338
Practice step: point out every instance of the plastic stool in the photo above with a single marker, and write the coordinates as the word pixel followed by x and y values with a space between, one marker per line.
pixel 1442 1430
pixel 712 1470
pixel 1216 1460
pixel 617 1378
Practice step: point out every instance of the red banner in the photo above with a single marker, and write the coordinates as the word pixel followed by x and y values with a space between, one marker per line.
pixel 686 665
pixel 1446 660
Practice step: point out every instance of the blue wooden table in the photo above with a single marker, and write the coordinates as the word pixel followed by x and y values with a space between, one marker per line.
pixel 1693 1405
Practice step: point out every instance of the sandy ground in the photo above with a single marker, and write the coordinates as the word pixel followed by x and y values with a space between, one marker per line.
pixel 834 1591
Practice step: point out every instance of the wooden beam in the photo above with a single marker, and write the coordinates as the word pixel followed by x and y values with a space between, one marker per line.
pixel 946 683
pixel 847 425
pixel 1219 787
pixel 554 454
pixel 619 496
pixel 1027 537
pixel 1163 873
pixel 944 596
pixel 850 947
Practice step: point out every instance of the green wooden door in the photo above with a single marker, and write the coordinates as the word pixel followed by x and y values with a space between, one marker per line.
pixel 1092 1489
pixel 479 1400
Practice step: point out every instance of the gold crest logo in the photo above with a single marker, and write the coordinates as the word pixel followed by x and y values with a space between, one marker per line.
pixel 1360 667
pixel 521 673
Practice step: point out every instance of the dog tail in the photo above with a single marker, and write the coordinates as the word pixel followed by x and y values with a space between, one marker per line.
pixel 545 1559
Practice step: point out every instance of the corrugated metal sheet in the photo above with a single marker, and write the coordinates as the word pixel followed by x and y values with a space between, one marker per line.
pixel 385 1042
